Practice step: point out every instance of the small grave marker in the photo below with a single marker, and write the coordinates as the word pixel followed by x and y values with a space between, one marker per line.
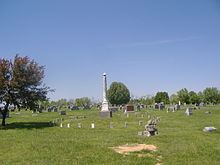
pixel 68 125
pixel 92 125
pixel 189 111
pixel 126 125
pixel 79 125
pixel 140 133
pixel 62 112
pixel 140 123
pixel 209 129
pixel 61 125
pixel 111 125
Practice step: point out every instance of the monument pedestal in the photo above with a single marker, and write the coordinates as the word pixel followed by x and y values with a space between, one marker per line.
pixel 105 114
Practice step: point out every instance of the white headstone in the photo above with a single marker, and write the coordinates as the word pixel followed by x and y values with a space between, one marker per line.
pixel 209 129
pixel 92 125
pixel 79 125
pixel 61 125
pixel 68 125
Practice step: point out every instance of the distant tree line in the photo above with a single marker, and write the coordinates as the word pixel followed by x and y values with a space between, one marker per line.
pixel 118 94
pixel 210 95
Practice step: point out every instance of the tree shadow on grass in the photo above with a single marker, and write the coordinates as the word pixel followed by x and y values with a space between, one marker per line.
pixel 27 125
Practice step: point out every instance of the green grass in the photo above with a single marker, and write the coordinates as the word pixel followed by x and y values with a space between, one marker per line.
pixel 31 139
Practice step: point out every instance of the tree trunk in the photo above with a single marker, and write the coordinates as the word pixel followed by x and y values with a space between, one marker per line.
pixel 4 114
pixel 3 118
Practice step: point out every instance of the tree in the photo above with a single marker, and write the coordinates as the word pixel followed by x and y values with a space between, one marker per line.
pixel 193 97
pixel 147 100
pixel 183 95
pixel 162 97
pixel 211 95
pixel 201 97
pixel 84 102
pixel 21 84
pixel 174 99
pixel 118 94
pixel 61 103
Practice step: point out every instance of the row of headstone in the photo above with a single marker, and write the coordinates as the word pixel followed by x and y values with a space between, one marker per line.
pixel 136 115
pixel 111 125
pixel 159 106
pixel 173 108
pixel 78 117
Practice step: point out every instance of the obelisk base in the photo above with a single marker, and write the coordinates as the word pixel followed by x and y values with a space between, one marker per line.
pixel 105 114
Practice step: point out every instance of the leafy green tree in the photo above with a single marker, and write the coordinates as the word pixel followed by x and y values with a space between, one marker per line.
pixel 21 84
pixel 84 102
pixel 118 94
pixel 211 95
pixel 201 97
pixel 61 103
pixel 174 99
pixel 147 100
pixel 183 96
pixel 162 97
pixel 193 97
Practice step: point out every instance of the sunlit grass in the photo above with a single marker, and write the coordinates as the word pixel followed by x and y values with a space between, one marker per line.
pixel 33 139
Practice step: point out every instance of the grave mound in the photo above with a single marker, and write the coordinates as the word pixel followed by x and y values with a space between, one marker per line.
pixel 126 149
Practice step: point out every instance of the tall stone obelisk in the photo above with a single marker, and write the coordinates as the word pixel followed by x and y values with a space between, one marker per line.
pixel 105 112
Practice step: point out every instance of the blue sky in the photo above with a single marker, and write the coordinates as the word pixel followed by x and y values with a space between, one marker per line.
pixel 149 45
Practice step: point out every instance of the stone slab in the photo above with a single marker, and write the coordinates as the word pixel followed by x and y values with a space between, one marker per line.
pixel 105 114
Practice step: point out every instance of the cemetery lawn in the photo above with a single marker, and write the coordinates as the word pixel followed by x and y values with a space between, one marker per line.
pixel 32 139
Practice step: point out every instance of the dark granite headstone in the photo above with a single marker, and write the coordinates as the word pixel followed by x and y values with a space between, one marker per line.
pixel 129 108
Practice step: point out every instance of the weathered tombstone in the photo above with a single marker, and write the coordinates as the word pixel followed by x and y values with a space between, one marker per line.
pixel 73 107
pixel 114 109
pixel 61 125
pixel 55 109
pixel 126 125
pixel 111 125
pixel 189 111
pixel 68 125
pixel 62 112
pixel 171 109
pixel 140 133
pixel 209 129
pixel 138 107
pixel 202 104
pixel 140 123
pixel 79 125
pixel 177 107
pixel 92 125
pixel 159 106
pixel 150 128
